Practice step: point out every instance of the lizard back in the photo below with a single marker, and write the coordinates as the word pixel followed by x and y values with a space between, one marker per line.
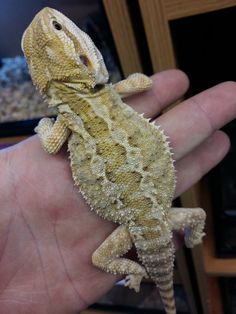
pixel 120 161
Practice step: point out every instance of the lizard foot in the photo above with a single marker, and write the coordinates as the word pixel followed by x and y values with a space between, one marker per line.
pixel 193 239
pixel 190 242
pixel 44 123
pixel 133 281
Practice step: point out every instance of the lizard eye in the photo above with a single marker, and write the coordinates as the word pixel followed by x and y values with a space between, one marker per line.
pixel 84 60
pixel 56 25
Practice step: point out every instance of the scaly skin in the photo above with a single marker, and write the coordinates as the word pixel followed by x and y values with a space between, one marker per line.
pixel 121 163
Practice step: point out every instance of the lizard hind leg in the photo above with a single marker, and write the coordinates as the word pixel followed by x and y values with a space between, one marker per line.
pixel 191 220
pixel 107 257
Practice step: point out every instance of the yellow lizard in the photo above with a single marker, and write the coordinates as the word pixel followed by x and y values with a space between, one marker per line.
pixel 121 163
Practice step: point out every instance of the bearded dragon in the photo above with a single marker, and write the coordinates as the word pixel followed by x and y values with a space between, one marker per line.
pixel 121 163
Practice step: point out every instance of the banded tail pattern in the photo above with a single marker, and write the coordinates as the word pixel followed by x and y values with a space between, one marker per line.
pixel 158 260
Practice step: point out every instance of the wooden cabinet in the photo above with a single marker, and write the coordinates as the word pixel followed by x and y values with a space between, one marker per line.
pixel 157 16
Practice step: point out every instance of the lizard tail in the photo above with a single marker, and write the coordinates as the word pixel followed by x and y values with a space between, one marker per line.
pixel 159 264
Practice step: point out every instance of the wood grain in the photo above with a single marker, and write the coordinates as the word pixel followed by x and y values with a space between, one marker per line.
pixel 186 280
pixel 215 303
pixel 158 34
pixel 123 35
pixel 217 266
pixel 175 9
pixel 193 198
pixel 213 265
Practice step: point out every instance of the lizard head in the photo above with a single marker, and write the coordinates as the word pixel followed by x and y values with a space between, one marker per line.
pixel 57 50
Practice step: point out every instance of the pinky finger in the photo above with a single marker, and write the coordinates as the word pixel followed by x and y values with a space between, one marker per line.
pixel 196 164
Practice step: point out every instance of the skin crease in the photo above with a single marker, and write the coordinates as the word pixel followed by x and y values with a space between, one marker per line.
pixel 46 241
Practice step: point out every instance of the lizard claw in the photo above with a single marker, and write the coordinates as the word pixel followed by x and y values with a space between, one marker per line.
pixel 133 281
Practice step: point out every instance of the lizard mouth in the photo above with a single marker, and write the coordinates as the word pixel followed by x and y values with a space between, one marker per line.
pixel 102 77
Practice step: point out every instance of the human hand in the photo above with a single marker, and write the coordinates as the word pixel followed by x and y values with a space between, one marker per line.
pixel 48 233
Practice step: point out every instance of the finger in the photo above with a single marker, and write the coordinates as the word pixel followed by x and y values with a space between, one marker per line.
pixel 190 123
pixel 168 86
pixel 196 164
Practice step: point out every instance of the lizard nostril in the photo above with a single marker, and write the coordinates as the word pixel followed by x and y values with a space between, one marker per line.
pixel 84 60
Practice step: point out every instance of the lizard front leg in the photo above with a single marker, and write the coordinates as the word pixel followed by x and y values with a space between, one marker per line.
pixel 107 257
pixel 52 136
pixel 133 84
pixel 191 220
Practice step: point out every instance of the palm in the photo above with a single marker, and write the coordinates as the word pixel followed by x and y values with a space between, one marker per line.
pixel 47 231
pixel 50 236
